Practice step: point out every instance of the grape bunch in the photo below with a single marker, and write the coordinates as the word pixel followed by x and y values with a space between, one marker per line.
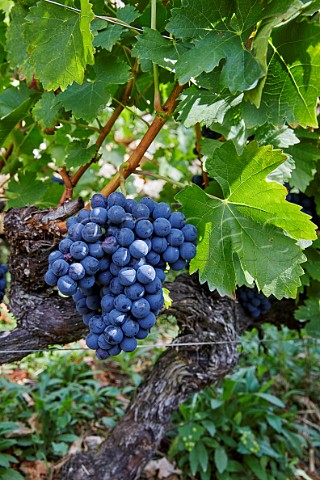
pixel 3 281
pixel 112 263
pixel 254 302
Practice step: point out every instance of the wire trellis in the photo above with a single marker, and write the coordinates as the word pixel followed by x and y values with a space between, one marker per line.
pixel 171 345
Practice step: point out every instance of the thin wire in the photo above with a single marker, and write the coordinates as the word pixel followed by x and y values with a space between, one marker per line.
pixel 173 345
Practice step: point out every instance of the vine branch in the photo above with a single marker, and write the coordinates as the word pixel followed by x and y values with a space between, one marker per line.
pixel 133 162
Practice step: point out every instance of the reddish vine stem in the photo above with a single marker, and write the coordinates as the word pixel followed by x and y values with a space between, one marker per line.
pixel 6 155
pixel 198 139
pixel 67 182
pixel 103 133
pixel 133 162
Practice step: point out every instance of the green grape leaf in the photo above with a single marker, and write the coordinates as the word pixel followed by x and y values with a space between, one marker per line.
pixel 60 44
pixel 218 32
pixel 310 312
pixel 88 99
pixel 251 231
pixel 14 106
pixel 205 106
pixel 108 37
pixel 152 46
pixel 78 153
pixel 47 110
pixel 109 34
pixel 128 14
pixel 240 70
pixel 24 191
pixel 291 91
pixel 305 155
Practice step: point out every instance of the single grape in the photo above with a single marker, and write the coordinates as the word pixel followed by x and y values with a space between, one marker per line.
pixel 146 274
pixel 138 249
pixel 97 324
pixel 177 220
pixel 98 200
pixel 91 232
pixel 127 276
pixel 187 250
pixel 159 244
pixel 128 344
pixel 140 308
pixel 171 254
pixel 190 233
pixel 107 303
pixel 125 237
pixel 110 245
pixel 117 318
pixel 113 334
pixel 76 271
pixel 144 228
pixel 121 257
pixel 90 264
pixel 117 214
pixel 140 211
pixel 116 287
pixel 79 250
pixel 67 286
pixel 50 278
pixel 99 215
pixel 161 210
pixel 148 321
pixel 162 227
pixel 116 198
pixel 130 328
pixel 122 303
pixel 64 245
pixel 92 341
pixel 134 292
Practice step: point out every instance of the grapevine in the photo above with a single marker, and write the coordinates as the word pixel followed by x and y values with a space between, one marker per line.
pixel 113 263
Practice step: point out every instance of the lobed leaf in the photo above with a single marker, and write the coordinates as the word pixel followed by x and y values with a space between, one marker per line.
pixel 59 43
pixel 251 231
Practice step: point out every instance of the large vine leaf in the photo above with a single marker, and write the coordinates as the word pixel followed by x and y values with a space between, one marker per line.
pixel 205 106
pixel 60 43
pixel 251 231
pixel 87 99
pixel 305 155
pixel 291 89
pixel 240 71
pixel 219 32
